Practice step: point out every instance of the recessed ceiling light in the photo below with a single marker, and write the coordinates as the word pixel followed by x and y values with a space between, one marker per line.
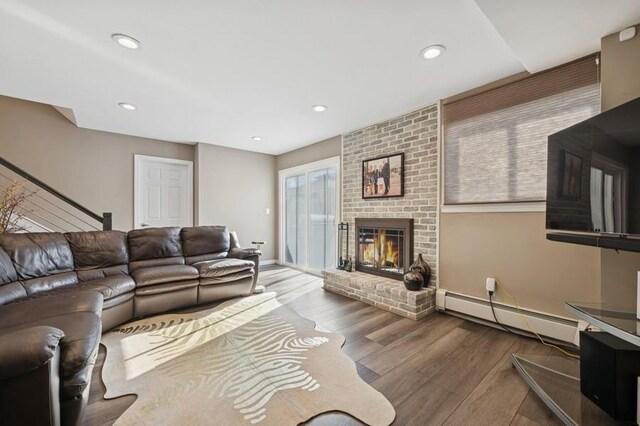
pixel 126 41
pixel 319 108
pixel 256 138
pixel 433 51
pixel 125 105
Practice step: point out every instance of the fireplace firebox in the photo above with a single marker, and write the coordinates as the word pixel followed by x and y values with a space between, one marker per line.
pixel 384 246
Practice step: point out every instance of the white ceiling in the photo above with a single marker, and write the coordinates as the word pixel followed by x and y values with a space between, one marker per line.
pixel 221 72
pixel 547 33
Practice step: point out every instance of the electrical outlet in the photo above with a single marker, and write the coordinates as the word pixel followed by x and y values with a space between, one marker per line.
pixel 491 285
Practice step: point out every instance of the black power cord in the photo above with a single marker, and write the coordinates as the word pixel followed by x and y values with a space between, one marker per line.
pixel 496 318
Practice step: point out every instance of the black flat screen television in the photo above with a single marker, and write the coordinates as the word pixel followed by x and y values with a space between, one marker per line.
pixel 593 174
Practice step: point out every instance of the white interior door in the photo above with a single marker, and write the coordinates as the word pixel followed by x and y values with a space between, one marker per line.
pixel 163 192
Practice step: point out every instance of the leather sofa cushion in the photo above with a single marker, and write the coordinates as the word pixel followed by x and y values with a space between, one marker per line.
pixel 110 287
pixel 235 241
pixel 51 282
pixel 114 301
pixel 94 274
pixel 166 288
pixel 190 260
pixel 236 276
pixel 154 243
pixel 98 249
pixel 133 266
pixel 164 274
pixel 10 289
pixel 11 292
pixel 205 239
pixel 8 273
pixel 220 268
pixel 50 304
pixel 38 254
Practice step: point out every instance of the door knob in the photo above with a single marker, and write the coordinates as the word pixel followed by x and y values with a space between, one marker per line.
pixel 144 225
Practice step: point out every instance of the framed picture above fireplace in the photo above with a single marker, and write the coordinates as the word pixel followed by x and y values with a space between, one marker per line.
pixel 383 177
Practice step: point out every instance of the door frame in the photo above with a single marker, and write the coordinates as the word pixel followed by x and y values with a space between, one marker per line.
pixel 306 169
pixel 137 161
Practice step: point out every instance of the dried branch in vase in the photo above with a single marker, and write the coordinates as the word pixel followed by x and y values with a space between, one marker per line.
pixel 12 209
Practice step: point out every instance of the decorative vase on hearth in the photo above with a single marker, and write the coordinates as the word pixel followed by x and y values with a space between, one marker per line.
pixel 349 265
pixel 413 280
pixel 423 267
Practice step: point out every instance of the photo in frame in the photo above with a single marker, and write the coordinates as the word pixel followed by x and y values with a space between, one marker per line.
pixel 383 177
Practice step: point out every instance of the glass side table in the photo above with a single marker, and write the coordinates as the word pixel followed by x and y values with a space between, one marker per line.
pixel 556 380
pixel 615 320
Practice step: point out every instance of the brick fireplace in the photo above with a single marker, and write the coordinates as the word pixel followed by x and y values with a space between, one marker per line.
pixel 416 136
pixel 384 246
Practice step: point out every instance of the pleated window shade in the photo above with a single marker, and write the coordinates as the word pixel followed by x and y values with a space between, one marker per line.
pixel 495 142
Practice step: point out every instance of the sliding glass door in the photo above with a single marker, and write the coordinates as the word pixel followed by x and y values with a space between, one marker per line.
pixel 310 199
pixel 296 220
pixel 322 226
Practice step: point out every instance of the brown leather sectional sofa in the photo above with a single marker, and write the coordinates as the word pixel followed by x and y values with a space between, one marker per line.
pixel 59 292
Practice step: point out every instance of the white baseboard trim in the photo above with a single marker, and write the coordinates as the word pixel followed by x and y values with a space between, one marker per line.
pixel 547 325
pixel 268 262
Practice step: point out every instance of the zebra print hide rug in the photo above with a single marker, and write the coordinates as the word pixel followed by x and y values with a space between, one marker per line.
pixel 246 361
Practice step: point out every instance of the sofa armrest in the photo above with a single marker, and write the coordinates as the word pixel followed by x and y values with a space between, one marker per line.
pixel 252 254
pixel 244 253
pixel 27 349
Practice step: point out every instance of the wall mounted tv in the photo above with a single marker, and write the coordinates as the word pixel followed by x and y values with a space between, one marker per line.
pixel 593 174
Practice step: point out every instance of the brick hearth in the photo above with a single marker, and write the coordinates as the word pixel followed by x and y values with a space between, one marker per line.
pixel 384 293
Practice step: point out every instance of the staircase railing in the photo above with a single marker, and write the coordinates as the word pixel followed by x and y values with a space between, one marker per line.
pixel 51 210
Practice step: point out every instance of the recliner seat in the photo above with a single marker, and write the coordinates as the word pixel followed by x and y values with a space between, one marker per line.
pixel 163 281
pixel 220 277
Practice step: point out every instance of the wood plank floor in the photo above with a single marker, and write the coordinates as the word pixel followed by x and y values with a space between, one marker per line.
pixel 440 370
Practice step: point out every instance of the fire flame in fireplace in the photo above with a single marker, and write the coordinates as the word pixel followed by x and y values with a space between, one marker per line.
pixel 382 253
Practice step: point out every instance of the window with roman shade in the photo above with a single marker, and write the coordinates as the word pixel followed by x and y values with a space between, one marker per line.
pixel 495 142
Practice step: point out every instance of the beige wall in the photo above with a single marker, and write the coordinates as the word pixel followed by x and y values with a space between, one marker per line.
pixel 620 70
pixel 620 83
pixel 327 148
pixel 235 188
pixel 619 272
pixel 512 247
pixel 91 167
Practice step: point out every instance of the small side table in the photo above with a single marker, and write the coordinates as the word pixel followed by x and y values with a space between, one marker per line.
pixel 259 288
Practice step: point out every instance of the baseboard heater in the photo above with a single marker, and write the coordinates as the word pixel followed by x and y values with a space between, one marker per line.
pixel 554 327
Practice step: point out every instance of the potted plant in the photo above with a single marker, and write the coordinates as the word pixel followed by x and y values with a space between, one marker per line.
pixel 12 207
